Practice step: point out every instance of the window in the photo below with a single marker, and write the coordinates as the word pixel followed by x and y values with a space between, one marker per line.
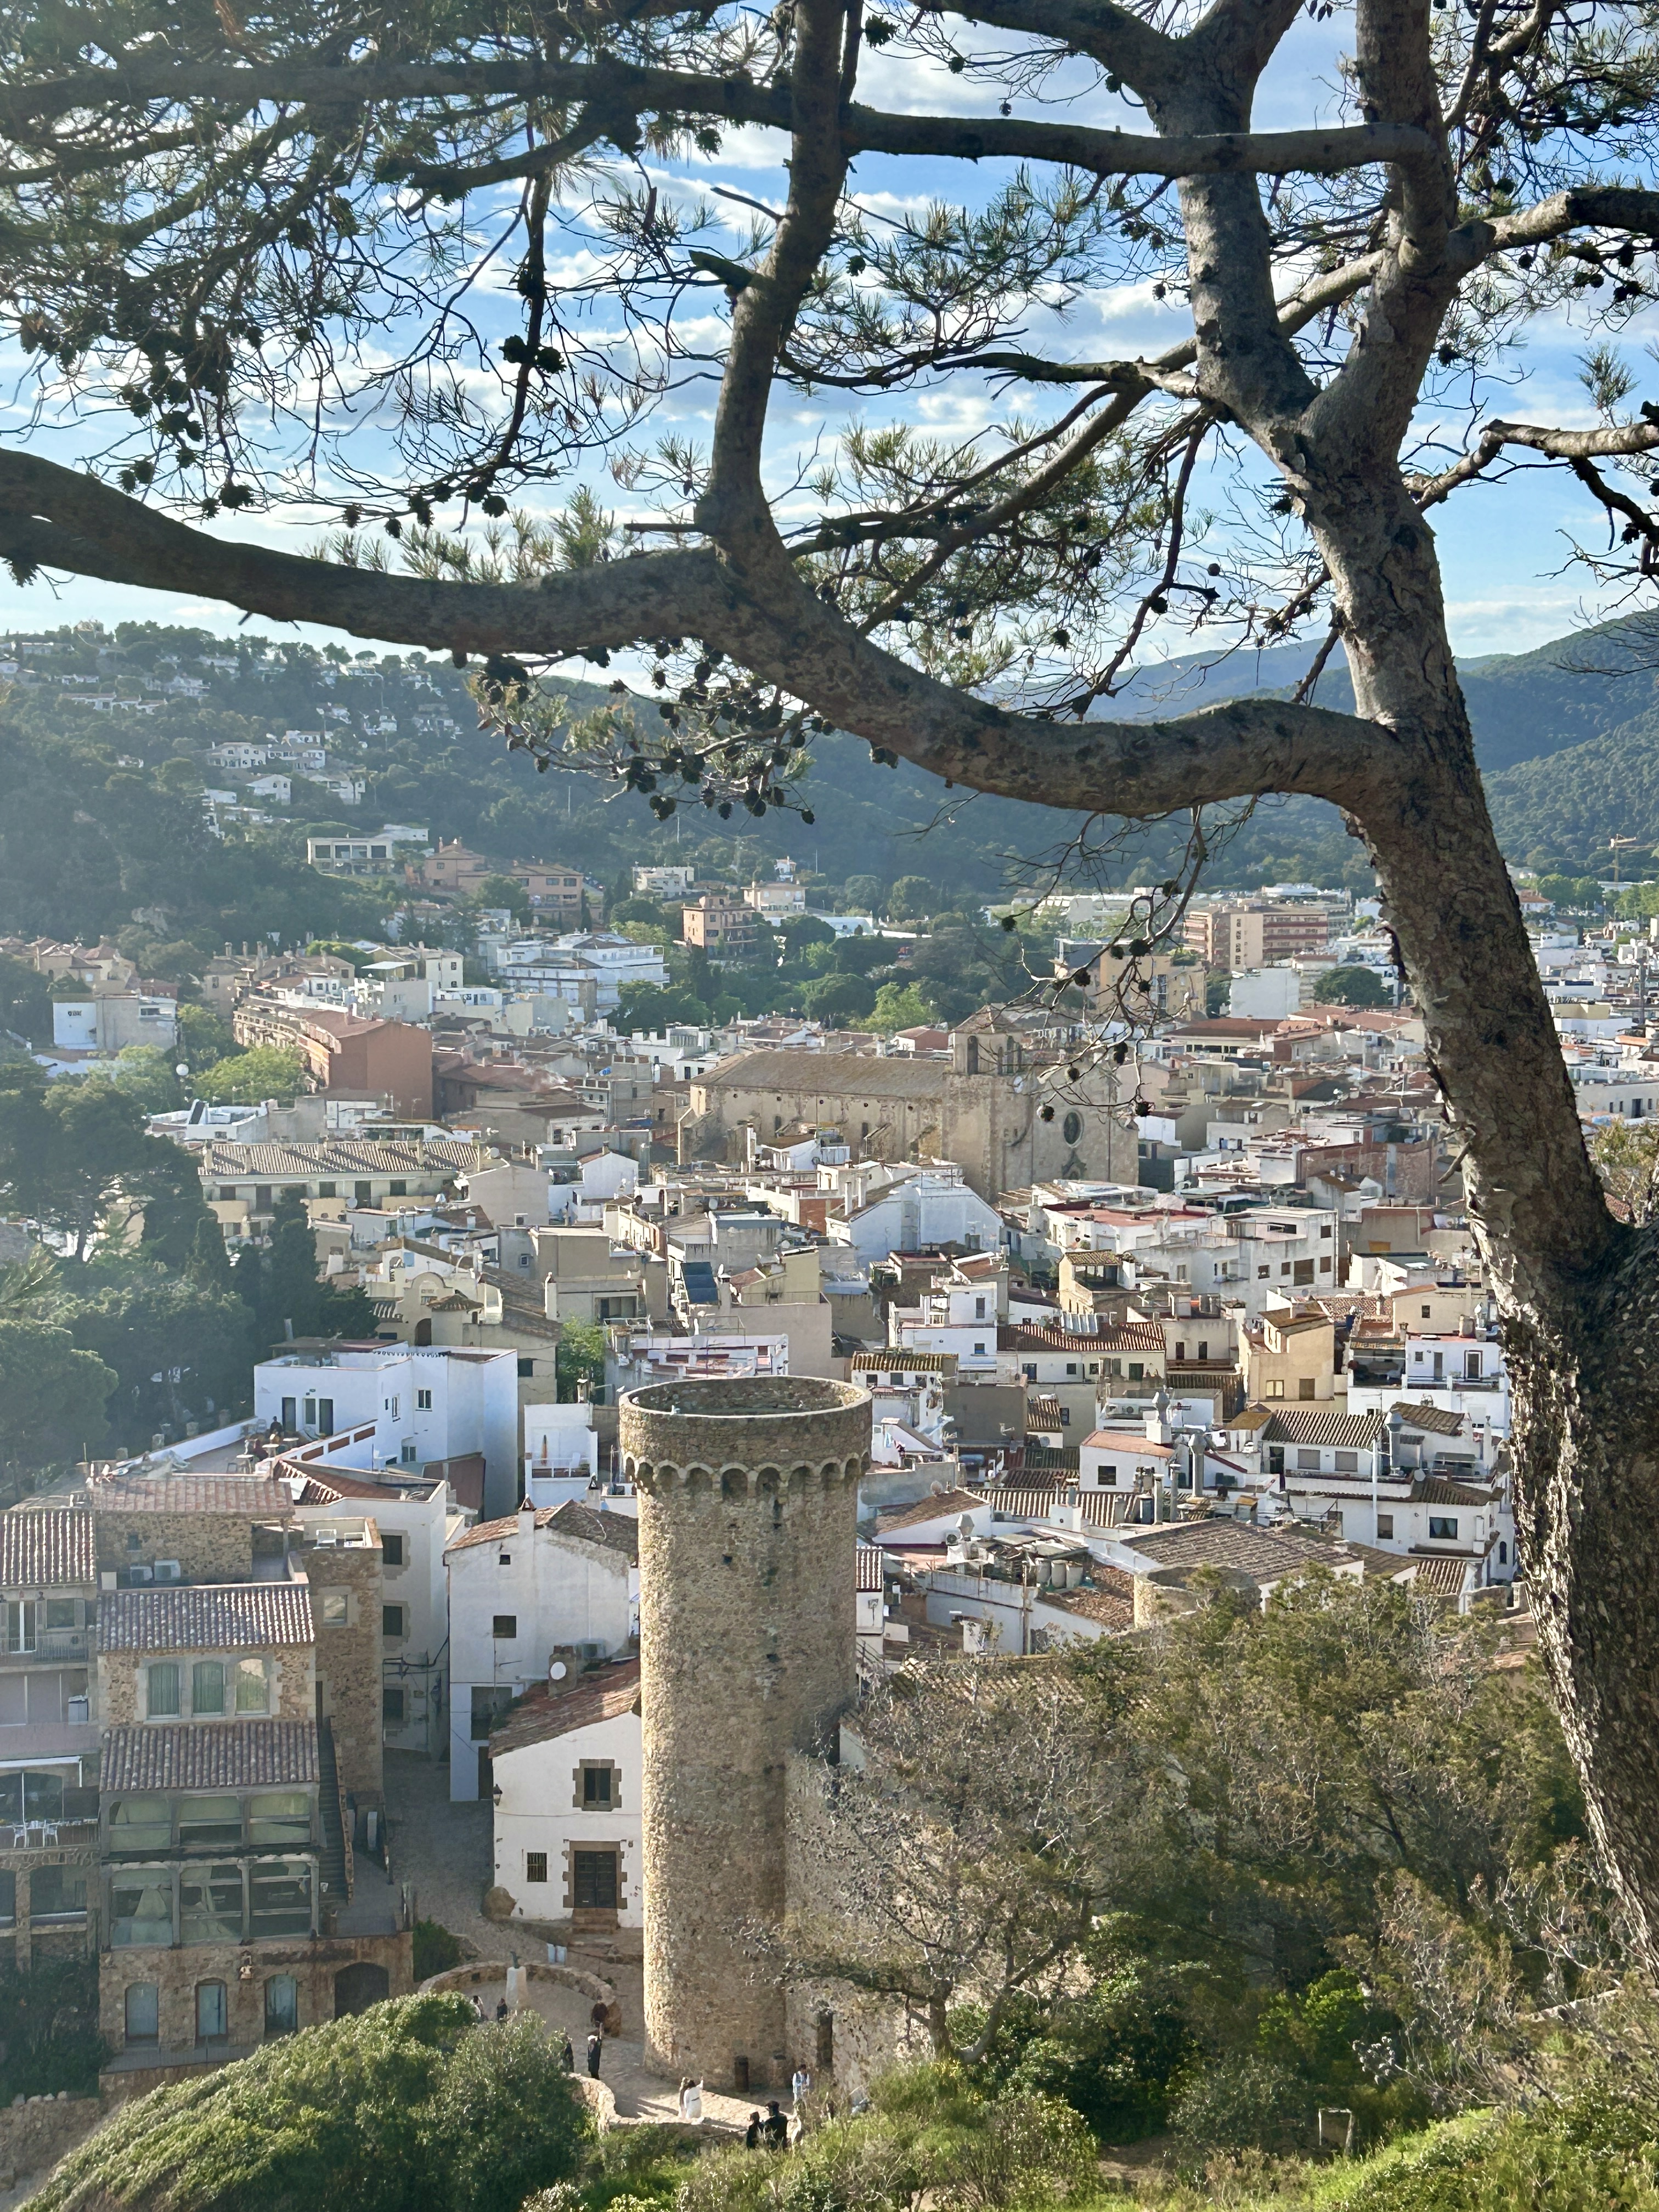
pixel 526 1367
pixel 598 1784
pixel 1276 1386
pixel 211 1905
pixel 535 1866
pixel 142 2009
pixel 423 1401
pixel 1261 1275
pixel 505 1625
pixel 1442 1528
pixel 31 1796
pixel 1425 1313
pixel 504 1559
pixel 1385 1526
pixel 60 1611
pixel 397 1187
pixel 58 1892
pixel 141 1908
pixel 335 1609
pixel 139 1823
pixel 162 1695
pixel 392 1704
pixel 279 1897
pixel 1308 1458
pixel 1305 1386
pixel 282 2005
pixel 1503 1555
pixel 279 1816
pixel 979 1350
pixel 207 1687
pixel 1305 1271
pixel 490 1702
pixel 1471 1370
pixel 209 1821
pixel 979 1309
pixel 252 1696
pixel 1108 1478
pixel 1348 1463
pixel 1071 1367
pixel 7 1898
pixel 392 1621
pixel 392 1548
pixel 392 1406
pixel 1137 1370
pixel 211 2018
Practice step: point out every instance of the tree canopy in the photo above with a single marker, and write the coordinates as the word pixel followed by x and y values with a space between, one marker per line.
pixel 257 239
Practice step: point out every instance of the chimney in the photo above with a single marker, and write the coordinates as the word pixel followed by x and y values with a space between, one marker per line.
pixel 527 1518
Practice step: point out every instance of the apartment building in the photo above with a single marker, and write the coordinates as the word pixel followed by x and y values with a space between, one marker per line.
pixel 1255 934
pixel 725 928
pixel 48 1736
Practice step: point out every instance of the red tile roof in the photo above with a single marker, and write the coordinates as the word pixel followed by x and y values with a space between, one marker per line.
pixel 206 1617
pixel 547 1712
pixel 43 1549
pixel 209 1755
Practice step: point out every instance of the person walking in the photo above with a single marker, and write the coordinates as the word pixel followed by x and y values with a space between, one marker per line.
pixel 774 2128
pixel 691 2102
pixel 567 2056
pixel 595 2045
pixel 751 2134
pixel 500 2008
pixel 802 2085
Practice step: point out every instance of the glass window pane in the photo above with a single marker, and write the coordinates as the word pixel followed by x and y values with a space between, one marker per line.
pixel 7 1897
pixel 58 1892
pixel 279 1816
pixel 43 1797
pixel 60 1612
pixel 282 2005
pixel 209 1820
pixel 250 1685
pixel 164 1691
pixel 11 1797
pixel 141 1908
pixel 207 1686
pixel 279 1893
pixel 210 2011
pixel 211 1905
pixel 142 2011
pixel 139 1823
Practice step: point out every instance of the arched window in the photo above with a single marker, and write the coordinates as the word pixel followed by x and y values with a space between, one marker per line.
pixel 142 2014
pixel 282 2005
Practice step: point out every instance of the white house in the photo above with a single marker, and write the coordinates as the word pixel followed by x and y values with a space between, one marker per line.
pixel 931 1208
pixel 416 1517
pixel 565 1772
pixel 540 1586
pixel 425 1402
pixel 113 1020
pixel 561 1452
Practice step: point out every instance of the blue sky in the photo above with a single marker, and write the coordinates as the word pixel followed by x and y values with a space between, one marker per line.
pixel 1501 547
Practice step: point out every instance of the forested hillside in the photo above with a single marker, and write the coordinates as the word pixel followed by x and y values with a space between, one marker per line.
pixel 104 822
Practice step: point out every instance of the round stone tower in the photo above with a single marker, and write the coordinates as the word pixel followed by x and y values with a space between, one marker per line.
pixel 748 1493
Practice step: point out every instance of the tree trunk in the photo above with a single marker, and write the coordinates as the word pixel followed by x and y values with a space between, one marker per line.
pixel 1574 1287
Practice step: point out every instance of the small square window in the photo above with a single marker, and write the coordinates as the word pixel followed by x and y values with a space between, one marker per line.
pixel 504 1559
pixel 535 1866
pixel 1384 1525
pixel 335 1609
pixel 1441 1528
pixel 506 1625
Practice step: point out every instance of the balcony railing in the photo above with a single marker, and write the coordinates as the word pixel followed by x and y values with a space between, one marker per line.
pixel 47 1645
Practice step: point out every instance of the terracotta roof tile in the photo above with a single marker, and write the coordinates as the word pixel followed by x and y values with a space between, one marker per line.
pixel 605 1695
pixel 44 1549
pixel 206 1617
pixel 615 1531
pixel 209 1755
pixel 253 1495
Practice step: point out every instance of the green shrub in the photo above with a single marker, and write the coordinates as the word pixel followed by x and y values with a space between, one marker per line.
pixel 1592 2153
pixel 407 2107
pixel 436 1950
pixel 49 2037
pixel 1243 2100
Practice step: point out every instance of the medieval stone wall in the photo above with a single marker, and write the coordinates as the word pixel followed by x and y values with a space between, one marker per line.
pixel 747 1498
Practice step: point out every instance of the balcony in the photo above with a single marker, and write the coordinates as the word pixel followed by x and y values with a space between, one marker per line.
pixel 47 1835
pixel 49 1646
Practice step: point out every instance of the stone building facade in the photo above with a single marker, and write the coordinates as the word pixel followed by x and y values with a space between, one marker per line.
pixel 342 1560
pixel 983 1109
pixel 747 1500
pixel 209 1525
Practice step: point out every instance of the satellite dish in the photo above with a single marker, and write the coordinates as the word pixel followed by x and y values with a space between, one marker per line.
pixel 557 1671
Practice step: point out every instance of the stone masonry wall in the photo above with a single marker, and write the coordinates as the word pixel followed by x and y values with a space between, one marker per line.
pixel 748 1494
pixel 210 1548
pixel 288 1669
pixel 349 1659
pixel 314 1961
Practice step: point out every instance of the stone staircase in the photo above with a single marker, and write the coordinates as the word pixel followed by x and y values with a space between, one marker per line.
pixel 336 1880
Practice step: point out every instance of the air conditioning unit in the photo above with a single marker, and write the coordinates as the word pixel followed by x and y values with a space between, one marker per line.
pixel 168 1570
pixel 137 1574
pixel 588 1652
